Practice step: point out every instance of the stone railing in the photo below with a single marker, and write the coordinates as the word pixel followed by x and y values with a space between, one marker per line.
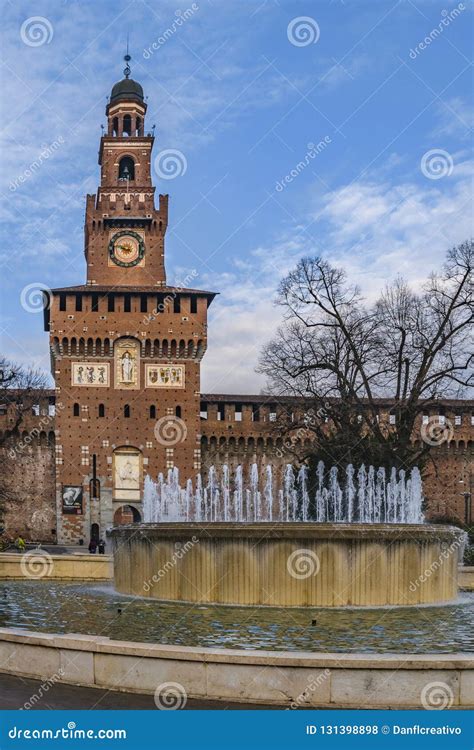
pixel 39 564
pixel 286 679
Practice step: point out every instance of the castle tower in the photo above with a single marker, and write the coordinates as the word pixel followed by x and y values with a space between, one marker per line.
pixel 125 347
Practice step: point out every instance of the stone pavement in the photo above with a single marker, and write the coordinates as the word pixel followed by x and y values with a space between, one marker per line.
pixel 15 692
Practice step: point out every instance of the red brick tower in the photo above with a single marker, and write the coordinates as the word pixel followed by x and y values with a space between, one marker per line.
pixel 126 348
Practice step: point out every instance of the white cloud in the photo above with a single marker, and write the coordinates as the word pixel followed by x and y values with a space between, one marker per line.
pixel 374 229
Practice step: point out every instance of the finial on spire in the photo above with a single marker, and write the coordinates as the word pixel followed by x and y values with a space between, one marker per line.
pixel 127 59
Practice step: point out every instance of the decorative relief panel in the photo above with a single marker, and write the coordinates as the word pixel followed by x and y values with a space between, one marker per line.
pixel 127 474
pixel 127 364
pixel 164 376
pixel 90 374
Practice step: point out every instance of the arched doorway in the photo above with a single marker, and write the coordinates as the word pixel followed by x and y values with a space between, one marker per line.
pixel 126 514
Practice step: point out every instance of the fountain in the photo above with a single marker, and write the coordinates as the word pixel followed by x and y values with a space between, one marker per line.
pixel 365 497
pixel 355 537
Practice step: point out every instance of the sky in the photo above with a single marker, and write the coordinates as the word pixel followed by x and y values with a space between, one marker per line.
pixel 341 129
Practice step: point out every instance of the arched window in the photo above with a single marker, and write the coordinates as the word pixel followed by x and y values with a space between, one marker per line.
pixel 127 125
pixel 152 412
pixel 126 168
pixel 76 410
pixel 115 126
pixel 101 410
pixel 177 412
pixel 139 126
pixel 126 411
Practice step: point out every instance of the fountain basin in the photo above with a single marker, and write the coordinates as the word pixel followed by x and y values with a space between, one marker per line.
pixel 288 564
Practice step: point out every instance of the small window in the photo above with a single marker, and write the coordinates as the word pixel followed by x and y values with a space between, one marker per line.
pixel 62 302
pixel 78 303
pixel 221 412
pixel 203 410
pixel 110 303
pixel 177 412
pixel 176 305
pixel 127 303
pixel 425 419
pixel 392 419
pixel 76 410
pixel 272 413
pixel 238 412
pixel 457 420
pixel 51 410
pixel 95 303
pixel 143 303
pixel 441 419
pixel 152 412
pixel 472 419
pixel 3 410
pixel 35 410
pixel 126 411
pixel 160 303
pixel 255 414
pixel 194 305
pixel 101 410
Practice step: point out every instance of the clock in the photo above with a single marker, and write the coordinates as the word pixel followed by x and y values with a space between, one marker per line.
pixel 126 248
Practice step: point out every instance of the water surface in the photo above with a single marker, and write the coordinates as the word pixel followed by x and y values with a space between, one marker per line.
pixel 99 610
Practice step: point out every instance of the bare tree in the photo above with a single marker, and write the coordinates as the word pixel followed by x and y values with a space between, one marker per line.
pixel 345 357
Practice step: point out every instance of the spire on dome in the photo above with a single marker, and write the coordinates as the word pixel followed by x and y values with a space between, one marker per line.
pixel 127 58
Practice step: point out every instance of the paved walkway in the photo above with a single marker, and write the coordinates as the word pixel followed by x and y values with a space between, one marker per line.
pixel 16 691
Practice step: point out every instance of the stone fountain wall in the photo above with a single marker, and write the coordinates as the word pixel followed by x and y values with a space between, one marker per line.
pixel 289 564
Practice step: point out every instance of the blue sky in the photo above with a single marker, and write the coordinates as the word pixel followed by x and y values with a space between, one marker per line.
pixel 242 90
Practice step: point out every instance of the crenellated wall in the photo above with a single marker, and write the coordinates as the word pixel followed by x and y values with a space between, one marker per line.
pixel 234 430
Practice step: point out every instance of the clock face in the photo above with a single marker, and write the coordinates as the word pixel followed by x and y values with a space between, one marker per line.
pixel 126 248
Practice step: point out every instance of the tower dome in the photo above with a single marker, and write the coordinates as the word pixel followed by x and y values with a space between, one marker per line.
pixel 126 89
